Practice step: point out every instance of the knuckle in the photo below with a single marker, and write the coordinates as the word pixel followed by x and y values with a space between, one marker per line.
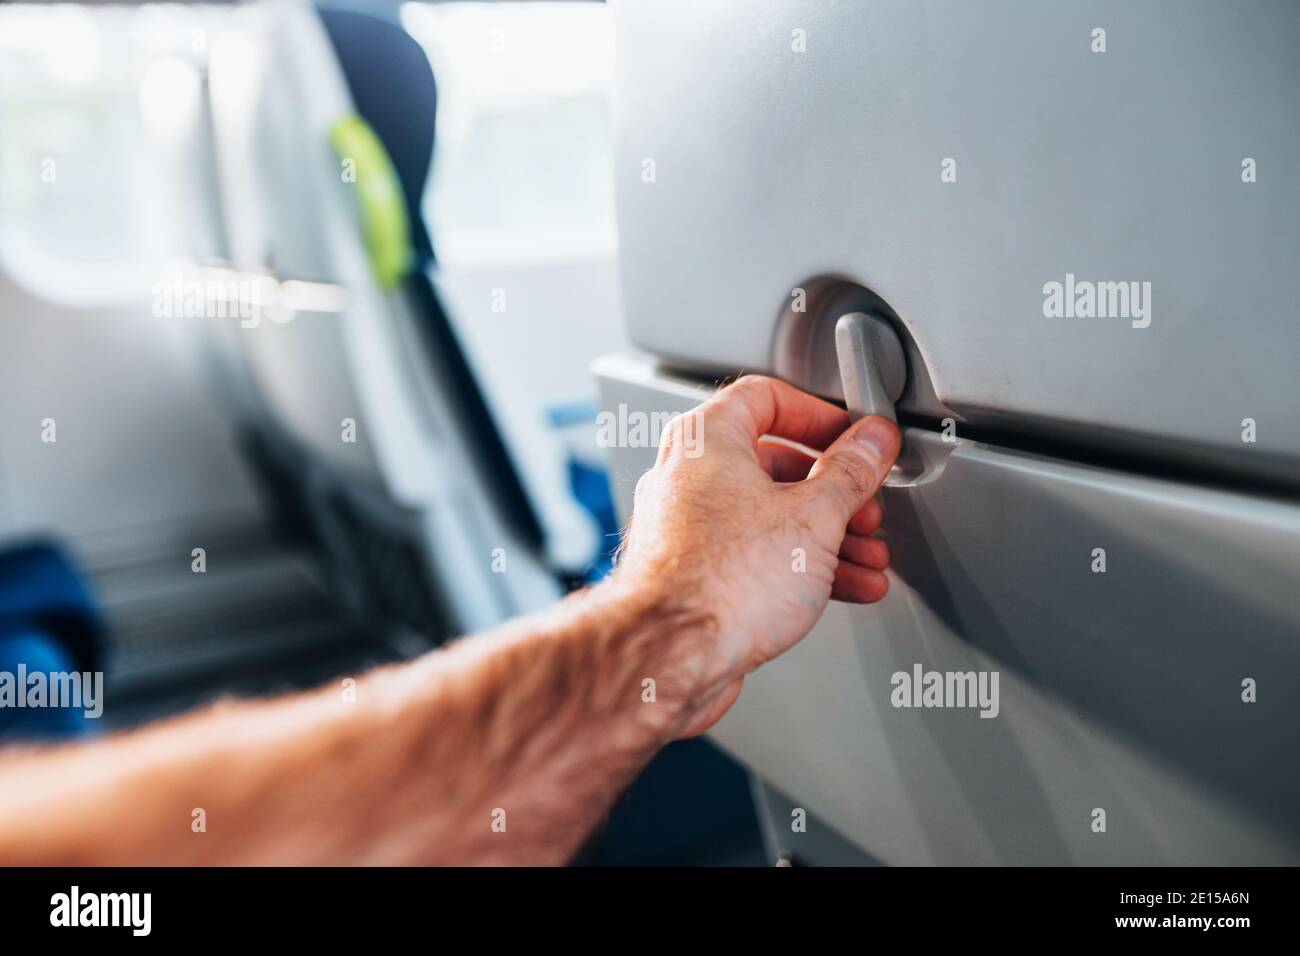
pixel 744 388
pixel 854 474
pixel 748 382
pixel 674 431
pixel 642 484
pixel 683 434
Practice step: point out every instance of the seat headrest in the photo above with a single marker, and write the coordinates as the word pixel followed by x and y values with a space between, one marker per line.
pixel 393 88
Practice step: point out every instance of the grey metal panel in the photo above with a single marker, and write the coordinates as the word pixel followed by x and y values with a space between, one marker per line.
pixel 1118 690
pixel 791 834
pixel 773 166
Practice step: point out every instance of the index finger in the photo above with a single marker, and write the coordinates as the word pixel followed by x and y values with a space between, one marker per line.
pixel 759 405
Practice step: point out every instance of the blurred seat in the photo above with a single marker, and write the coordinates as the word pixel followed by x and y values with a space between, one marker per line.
pixel 362 415
pixel 48 624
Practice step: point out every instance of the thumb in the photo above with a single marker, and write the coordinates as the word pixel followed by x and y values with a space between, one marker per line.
pixel 851 470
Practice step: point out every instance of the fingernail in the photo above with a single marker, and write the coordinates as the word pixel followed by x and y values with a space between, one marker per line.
pixel 877 435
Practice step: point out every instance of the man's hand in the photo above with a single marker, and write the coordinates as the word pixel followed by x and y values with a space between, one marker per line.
pixel 507 747
pixel 755 534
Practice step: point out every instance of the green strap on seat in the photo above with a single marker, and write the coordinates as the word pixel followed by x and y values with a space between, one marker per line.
pixel 379 192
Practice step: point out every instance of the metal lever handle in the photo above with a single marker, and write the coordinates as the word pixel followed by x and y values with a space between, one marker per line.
pixel 873 368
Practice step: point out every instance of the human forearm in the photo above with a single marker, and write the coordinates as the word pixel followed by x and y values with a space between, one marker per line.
pixel 506 747
pixel 558 720
pixel 535 728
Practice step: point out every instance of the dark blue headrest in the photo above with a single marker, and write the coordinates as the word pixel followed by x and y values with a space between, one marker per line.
pixel 393 88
